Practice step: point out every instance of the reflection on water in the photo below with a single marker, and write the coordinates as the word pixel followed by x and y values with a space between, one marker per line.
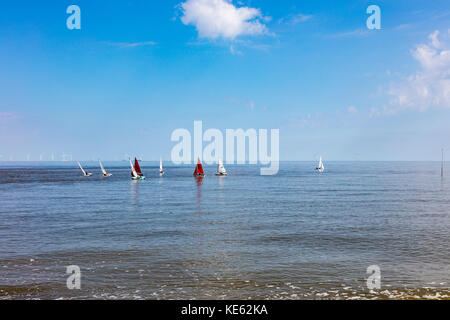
pixel 221 190
pixel 199 183
pixel 135 185
pixel 220 181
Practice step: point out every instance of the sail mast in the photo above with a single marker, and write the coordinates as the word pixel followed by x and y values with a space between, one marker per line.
pixel 133 171
pixel 101 166
pixel 79 164
pixel 161 171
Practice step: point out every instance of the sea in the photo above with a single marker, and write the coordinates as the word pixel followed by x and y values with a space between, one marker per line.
pixel 359 230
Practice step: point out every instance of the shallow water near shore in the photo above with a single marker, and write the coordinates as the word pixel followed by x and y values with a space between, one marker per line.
pixel 297 235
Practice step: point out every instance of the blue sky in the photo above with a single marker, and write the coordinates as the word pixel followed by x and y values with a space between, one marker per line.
pixel 137 70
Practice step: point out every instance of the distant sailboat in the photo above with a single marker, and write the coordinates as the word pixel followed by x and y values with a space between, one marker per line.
pixel 161 171
pixel 105 174
pixel 321 167
pixel 221 169
pixel 136 173
pixel 199 169
pixel 86 174
pixel 442 164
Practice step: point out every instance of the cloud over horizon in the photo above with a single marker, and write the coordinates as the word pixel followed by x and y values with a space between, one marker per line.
pixel 430 86
pixel 221 19
pixel 8 116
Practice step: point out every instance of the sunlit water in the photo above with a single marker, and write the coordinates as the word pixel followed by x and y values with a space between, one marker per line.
pixel 296 235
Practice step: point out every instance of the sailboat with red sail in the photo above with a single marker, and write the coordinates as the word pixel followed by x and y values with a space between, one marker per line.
pixel 136 173
pixel 199 169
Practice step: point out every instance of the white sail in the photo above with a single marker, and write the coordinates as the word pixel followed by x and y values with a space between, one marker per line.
pixel 160 165
pixel 321 167
pixel 84 172
pixel 103 169
pixel 133 171
pixel 220 168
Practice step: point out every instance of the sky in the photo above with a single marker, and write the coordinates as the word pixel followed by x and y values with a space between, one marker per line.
pixel 138 70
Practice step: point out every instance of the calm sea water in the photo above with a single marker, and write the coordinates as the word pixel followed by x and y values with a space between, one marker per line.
pixel 297 235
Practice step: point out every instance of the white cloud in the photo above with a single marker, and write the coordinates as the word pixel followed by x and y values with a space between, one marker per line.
pixel 295 19
pixel 301 18
pixel 430 86
pixel 402 26
pixel 434 39
pixel 249 103
pixel 7 116
pixel 352 110
pixel 353 33
pixel 378 112
pixel 303 121
pixel 131 44
pixel 234 51
pixel 221 19
pixel 374 112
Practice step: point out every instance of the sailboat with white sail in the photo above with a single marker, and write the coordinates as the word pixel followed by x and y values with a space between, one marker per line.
pixel 221 171
pixel 321 167
pixel 136 173
pixel 86 174
pixel 105 174
pixel 161 171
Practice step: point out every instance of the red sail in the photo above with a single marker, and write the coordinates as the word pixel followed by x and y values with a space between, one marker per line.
pixel 137 168
pixel 198 169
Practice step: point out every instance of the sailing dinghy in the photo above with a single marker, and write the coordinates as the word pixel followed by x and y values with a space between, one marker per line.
pixel 161 171
pixel 199 169
pixel 86 174
pixel 105 174
pixel 221 169
pixel 321 167
pixel 136 173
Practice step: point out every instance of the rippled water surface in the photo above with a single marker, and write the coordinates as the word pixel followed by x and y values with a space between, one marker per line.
pixel 296 235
